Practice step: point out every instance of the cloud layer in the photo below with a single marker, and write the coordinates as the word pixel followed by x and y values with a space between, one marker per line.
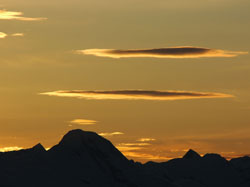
pixel 11 15
pixel 136 94
pixel 83 122
pixel 170 52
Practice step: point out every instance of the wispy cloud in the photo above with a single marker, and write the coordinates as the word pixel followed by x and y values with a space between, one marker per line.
pixel 18 34
pixel 136 94
pixel 127 148
pixel 3 35
pixel 12 15
pixel 83 122
pixel 145 156
pixel 140 151
pixel 134 144
pixel 146 140
pixel 131 146
pixel 7 149
pixel 168 52
pixel 111 134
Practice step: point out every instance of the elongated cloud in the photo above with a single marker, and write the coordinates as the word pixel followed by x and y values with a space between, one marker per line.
pixel 3 35
pixel 134 144
pixel 146 140
pixel 11 15
pixel 136 94
pixel 83 122
pixel 111 134
pixel 131 146
pixel 143 156
pixel 18 34
pixel 170 52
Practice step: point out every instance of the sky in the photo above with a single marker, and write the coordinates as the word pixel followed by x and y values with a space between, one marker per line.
pixel 155 77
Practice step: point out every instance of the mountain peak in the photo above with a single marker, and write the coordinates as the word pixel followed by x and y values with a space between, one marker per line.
pixel 78 136
pixel 38 148
pixel 80 132
pixel 89 146
pixel 191 154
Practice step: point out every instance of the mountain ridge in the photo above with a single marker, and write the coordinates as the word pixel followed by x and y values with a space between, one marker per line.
pixel 84 158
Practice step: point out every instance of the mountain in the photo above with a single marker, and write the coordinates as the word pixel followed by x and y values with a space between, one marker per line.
pixel 85 159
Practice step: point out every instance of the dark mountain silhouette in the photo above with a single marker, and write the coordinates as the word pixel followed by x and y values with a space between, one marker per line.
pixel 191 154
pixel 87 159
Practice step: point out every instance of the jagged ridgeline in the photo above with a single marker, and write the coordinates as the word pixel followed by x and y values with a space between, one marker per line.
pixel 87 159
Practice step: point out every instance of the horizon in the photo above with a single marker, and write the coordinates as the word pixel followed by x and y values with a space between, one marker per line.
pixel 156 78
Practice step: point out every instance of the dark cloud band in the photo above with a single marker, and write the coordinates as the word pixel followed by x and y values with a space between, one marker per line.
pixel 136 94
pixel 171 52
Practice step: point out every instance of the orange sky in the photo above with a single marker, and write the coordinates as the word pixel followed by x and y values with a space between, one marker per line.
pixel 156 78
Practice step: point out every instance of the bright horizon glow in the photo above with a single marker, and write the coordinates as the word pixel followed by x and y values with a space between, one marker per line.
pixel 8 149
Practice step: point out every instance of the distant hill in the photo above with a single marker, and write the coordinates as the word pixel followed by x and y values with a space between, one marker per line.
pixel 86 159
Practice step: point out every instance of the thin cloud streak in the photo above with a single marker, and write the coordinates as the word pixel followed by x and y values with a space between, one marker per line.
pixel 145 156
pixel 146 139
pixel 139 150
pixel 18 34
pixel 83 122
pixel 4 35
pixel 134 144
pixel 169 52
pixel 136 94
pixel 111 134
pixel 12 15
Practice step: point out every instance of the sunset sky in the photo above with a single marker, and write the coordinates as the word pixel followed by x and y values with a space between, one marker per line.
pixel 156 77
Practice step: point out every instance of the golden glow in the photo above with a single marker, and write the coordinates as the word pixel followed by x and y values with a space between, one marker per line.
pixel 172 52
pixel 138 151
pixel 11 15
pixel 83 122
pixel 145 156
pixel 137 94
pixel 7 149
